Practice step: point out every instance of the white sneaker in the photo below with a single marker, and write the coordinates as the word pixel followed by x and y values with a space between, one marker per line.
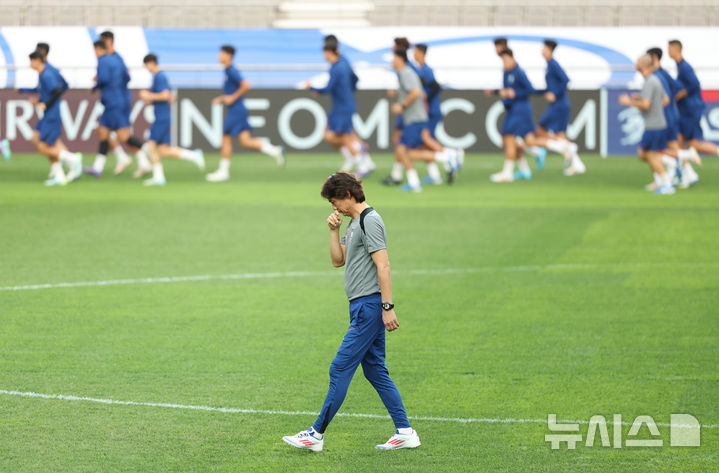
pixel 56 181
pixel 460 159
pixel 501 177
pixel 121 166
pixel 199 159
pixel 141 172
pixel 154 182
pixel 306 440
pixel 398 441
pixel 696 159
pixel 574 170
pixel 280 158
pixel 75 168
pixel 218 176
pixel 689 177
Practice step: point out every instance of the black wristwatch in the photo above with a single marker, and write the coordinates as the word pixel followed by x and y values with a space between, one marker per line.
pixel 387 306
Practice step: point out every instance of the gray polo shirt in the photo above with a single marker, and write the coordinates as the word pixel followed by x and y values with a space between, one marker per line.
pixel 408 81
pixel 654 116
pixel 360 271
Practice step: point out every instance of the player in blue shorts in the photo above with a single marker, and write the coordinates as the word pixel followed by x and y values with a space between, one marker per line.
pixel 553 123
pixel 690 104
pixel 51 87
pixel 651 102
pixel 341 87
pixel 237 120
pixel 158 146
pixel 123 160
pixel 687 176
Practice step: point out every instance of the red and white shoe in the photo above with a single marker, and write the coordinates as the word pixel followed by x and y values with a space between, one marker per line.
pixel 398 441
pixel 307 440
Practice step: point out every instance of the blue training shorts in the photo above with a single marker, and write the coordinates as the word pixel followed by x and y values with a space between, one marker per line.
pixel 236 122
pixel 432 124
pixel 115 118
pixel 556 118
pixel 518 123
pixel 340 122
pixel 412 135
pixel 50 130
pixel 160 132
pixel 690 128
pixel 654 140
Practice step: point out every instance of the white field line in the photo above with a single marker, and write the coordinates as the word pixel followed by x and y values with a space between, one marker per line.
pixel 306 274
pixel 235 410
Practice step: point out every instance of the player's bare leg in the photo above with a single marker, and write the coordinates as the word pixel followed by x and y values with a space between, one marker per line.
pixel 509 143
pixel 223 171
pixel 246 140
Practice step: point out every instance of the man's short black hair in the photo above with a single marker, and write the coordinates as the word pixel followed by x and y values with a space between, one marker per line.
pixel 401 42
pixel 500 41
pixel 506 52
pixel 551 44
pixel 44 48
pixel 401 53
pixel 341 185
pixel 676 42
pixel 107 34
pixel 229 49
pixel 150 58
pixel 37 55
pixel 331 43
pixel 100 44
pixel 655 52
pixel 421 46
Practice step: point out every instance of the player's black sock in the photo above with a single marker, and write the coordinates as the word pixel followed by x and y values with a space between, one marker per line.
pixel 104 147
pixel 134 141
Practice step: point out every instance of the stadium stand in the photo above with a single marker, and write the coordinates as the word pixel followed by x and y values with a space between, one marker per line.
pixel 330 13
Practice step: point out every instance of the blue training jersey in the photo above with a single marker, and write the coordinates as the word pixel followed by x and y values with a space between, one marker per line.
pixel 49 81
pixel 341 87
pixel 125 77
pixel 516 79
pixel 670 113
pixel 36 89
pixel 557 81
pixel 110 82
pixel 162 107
pixel 233 79
pixel 434 101
pixel 693 103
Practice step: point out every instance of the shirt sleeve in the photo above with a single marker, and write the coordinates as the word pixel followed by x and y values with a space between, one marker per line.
pixel 374 236
pixel 162 83
pixel 331 84
pixel 647 89
pixel 522 88
pixel 689 79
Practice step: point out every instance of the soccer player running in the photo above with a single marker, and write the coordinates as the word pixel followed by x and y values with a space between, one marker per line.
pixel 112 79
pixel 553 123
pixel 341 87
pixel 651 102
pixel 237 120
pixel 52 86
pixel 684 157
pixel 690 104
pixel 368 285
pixel 158 146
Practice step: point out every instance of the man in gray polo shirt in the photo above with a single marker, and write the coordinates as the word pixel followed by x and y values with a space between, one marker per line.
pixel 651 102
pixel 368 284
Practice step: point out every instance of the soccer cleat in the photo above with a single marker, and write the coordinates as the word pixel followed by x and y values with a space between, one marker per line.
pixel 56 181
pixel 90 171
pixel 389 181
pixel 363 174
pixel 541 158
pixel 665 190
pixel 280 158
pixel 199 159
pixel 75 171
pixel 306 440
pixel 218 176
pixel 408 188
pixel 522 175
pixel 6 153
pixel 460 159
pixel 688 178
pixel 451 167
pixel 154 182
pixel 651 187
pixel 140 172
pixel 121 166
pixel 430 180
pixel 696 159
pixel 398 441
pixel 501 177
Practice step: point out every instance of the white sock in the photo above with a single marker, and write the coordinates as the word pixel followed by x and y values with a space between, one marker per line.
pixel 187 155
pixel 669 162
pixel 56 170
pixel 120 154
pixel 658 179
pixel 405 431
pixel 66 157
pixel 666 179
pixel 684 154
pixel 442 156
pixel 558 146
pixel 508 168
pixel 99 163
pixel 142 161
pixel 158 173
pixel 270 149
pixel 534 150
pixel 413 178
pixel 397 171
pixel 347 154
pixel 433 171
pixel 523 165
pixel 224 166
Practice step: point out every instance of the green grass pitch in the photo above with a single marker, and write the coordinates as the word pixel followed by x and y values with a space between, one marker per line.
pixel 576 296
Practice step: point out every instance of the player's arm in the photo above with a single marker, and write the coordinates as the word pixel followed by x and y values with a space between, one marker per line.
pixel 523 88
pixel 413 95
pixel 635 101
pixel 338 251
pixel 103 76
pixel 381 261
pixel 665 100
pixel 330 85
pixel 241 90
pixel 162 96
pixel 54 96
pixel 29 90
